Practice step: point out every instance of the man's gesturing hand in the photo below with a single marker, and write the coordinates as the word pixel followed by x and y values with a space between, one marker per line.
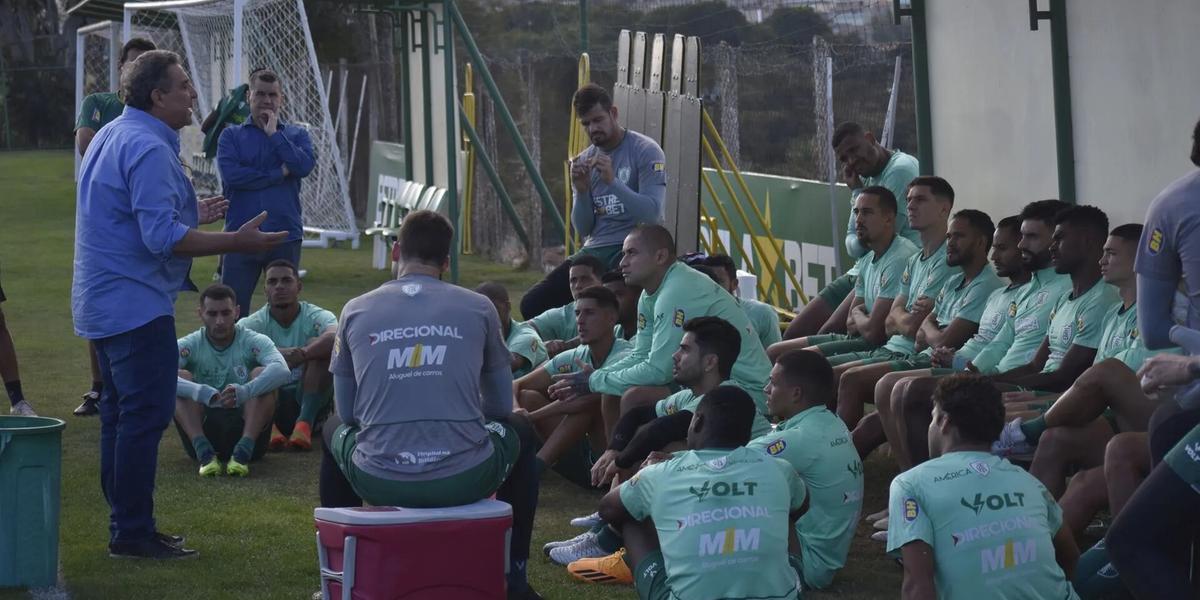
pixel 212 209
pixel 250 240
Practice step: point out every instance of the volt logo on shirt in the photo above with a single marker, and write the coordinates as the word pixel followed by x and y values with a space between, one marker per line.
pixel 729 541
pixel 416 356
pixel 994 501
pixel 722 489
pixel 1010 555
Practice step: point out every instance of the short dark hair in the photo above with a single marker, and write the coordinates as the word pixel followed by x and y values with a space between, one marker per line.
pixel 218 291
pixel 1196 145
pixel 587 97
pixel 140 44
pixel 723 261
pixel 972 403
pixel 845 130
pixel 1130 232
pixel 1043 210
pixel 264 75
pixel 591 262
pixel 887 199
pixel 149 72
pixel 283 262
pixel 809 371
pixel 728 415
pixel 715 335
pixel 494 290
pixel 612 277
pixel 1086 217
pixel 1011 223
pixel 602 295
pixel 980 222
pixel 426 236
pixel 713 272
pixel 659 236
pixel 938 186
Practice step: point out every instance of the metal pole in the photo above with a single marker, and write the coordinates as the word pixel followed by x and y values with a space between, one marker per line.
pixel 889 120
pixel 494 176
pixel 406 96
pixel 506 118
pixel 1064 134
pixel 427 32
pixel 452 148
pixel 239 7
pixel 830 160
pixel 920 50
pixel 583 26
pixel 362 93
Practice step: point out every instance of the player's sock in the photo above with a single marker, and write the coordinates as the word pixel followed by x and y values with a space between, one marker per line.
pixel 15 394
pixel 244 450
pixel 1095 576
pixel 1033 429
pixel 98 386
pixel 540 465
pixel 598 527
pixel 204 449
pixel 609 540
pixel 311 403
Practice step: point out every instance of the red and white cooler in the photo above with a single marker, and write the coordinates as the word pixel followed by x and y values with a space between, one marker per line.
pixel 393 553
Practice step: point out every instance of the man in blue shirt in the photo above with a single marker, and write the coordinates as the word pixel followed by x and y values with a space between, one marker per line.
pixel 262 162
pixel 135 234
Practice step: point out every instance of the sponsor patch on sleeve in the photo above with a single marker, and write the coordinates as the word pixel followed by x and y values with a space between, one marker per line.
pixel 679 318
pixel 1155 242
pixel 911 510
pixel 658 167
pixel 774 448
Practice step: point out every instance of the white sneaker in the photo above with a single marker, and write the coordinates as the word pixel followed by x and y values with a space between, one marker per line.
pixel 575 540
pixel 879 536
pixel 880 525
pixel 589 521
pixel 585 548
pixel 871 518
pixel 23 409
pixel 1012 440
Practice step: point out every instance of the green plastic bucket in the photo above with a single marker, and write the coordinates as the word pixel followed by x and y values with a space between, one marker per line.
pixel 30 475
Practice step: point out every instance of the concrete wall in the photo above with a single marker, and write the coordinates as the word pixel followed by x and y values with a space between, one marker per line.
pixel 1135 97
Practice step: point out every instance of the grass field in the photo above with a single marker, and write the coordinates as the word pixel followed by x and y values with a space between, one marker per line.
pixel 255 536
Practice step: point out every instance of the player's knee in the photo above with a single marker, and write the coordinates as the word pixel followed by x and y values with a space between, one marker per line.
pixel 1125 450
pixel 3 322
pixel 185 374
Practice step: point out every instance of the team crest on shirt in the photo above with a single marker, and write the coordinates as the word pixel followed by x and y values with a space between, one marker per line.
pixel 240 371
pixel 775 447
pixel 1133 333
pixel 184 352
pixel 911 510
pixel 1154 244
pixel 679 317
pixel 980 467
pixel 718 463
pixel 623 175
pixel 904 277
pixel 96 115
pixel 1079 324
pixel 1012 309
pixel 411 289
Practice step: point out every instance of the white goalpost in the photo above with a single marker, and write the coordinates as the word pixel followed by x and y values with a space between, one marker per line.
pixel 220 42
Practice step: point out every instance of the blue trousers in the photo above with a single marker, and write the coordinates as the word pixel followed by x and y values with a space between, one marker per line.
pixel 139 369
pixel 241 271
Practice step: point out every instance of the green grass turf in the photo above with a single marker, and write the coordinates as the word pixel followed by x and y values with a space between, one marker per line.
pixel 255 536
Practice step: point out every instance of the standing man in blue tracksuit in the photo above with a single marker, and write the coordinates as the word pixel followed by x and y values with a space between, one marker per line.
pixel 262 162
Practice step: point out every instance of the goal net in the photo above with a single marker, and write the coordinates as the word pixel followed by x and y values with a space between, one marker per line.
pixel 220 42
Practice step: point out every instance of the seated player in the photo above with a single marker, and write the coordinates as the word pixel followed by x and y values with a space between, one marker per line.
pixel 424 418
pixel 704 360
pixel 879 280
pixel 303 333
pixel 763 316
pixel 864 162
pixel 556 327
pixel 573 431
pixel 905 417
pixel 627 297
pixel 817 445
pixel 968 524
pixel 522 340
pixel 228 377
pixel 715 521
pixel 672 294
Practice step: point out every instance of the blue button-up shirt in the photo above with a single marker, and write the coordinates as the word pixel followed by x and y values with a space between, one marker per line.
pixel 135 203
pixel 251 165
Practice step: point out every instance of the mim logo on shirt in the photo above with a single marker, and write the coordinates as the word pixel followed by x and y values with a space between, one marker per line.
pixel 1010 555
pixel 729 541
pixel 416 356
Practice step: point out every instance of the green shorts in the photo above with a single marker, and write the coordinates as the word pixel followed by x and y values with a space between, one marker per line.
pixel 287 407
pixel 898 361
pixel 1184 458
pixel 609 255
pixel 837 290
pixel 846 345
pixel 466 487
pixel 575 465
pixel 650 576
pixel 223 428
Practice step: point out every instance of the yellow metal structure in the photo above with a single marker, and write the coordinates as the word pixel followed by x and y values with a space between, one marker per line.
pixel 468 102
pixel 577 142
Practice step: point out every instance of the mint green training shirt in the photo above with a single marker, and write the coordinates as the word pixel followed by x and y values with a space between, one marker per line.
pixel 684 294
pixel 1021 336
pixel 1000 303
pixel 899 171
pixel 556 323
pixel 765 320
pixel 218 367
pixel 922 276
pixel 722 521
pixel 990 525
pixel 1078 322
pixel 524 341
pixel 817 444
pixel 967 300
pixel 882 277
pixel 688 400
pixel 568 361
pixel 1121 339
pixel 311 322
